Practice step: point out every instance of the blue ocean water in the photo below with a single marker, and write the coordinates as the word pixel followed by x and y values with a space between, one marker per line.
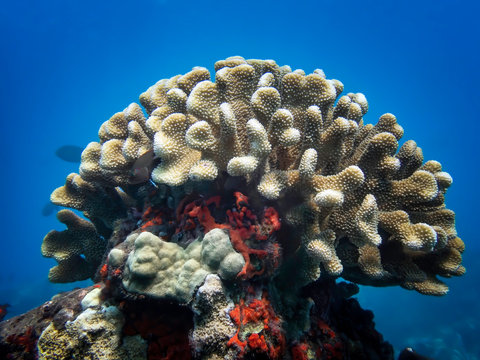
pixel 67 66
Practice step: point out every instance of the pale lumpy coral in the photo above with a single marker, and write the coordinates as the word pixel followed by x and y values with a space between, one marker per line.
pixel 357 205
pixel 166 270
pixel 212 328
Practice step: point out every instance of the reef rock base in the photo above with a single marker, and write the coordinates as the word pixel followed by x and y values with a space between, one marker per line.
pixel 90 324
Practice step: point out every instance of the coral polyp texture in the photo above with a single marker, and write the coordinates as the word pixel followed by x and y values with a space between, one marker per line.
pixel 243 198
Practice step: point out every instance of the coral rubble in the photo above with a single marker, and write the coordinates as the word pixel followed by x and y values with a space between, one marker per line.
pixel 238 202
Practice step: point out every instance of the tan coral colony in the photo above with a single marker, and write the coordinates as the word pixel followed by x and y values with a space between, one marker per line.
pixel 357 205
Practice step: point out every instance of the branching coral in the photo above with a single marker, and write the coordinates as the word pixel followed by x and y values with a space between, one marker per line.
pixel 103 205
pixel 267 177
pixel 283 132
pixel 78 250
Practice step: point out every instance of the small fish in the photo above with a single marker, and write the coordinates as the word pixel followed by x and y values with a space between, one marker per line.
pixel 48 209
pixel 69 153
pixel 142 167
pixel 3 311
pixel 409 354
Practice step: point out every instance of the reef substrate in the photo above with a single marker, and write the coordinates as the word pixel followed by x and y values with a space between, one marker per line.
pixel 149 328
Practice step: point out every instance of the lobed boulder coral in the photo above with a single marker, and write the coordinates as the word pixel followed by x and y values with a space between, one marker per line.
pixel 166 270
pixel 268 178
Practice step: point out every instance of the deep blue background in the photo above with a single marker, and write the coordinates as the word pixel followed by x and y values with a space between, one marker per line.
pixel 67 66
